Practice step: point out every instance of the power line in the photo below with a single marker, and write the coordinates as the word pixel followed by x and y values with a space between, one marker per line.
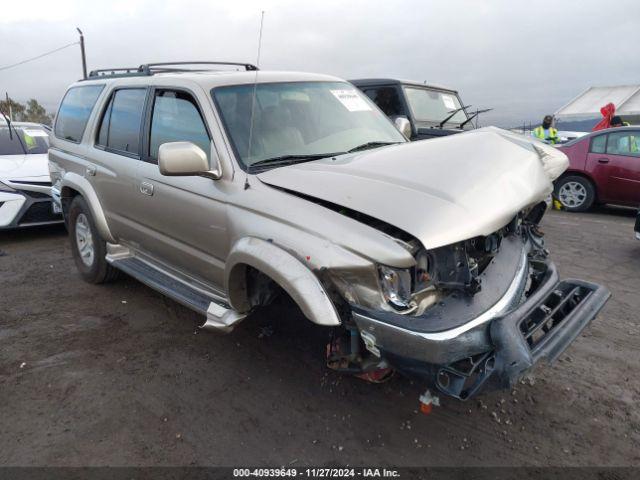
pixel 39 56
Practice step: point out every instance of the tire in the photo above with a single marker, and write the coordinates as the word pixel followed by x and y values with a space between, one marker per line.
pixel 575 193
pixel 89 250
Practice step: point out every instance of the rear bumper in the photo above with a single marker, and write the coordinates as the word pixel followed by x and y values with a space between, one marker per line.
pixel 493 354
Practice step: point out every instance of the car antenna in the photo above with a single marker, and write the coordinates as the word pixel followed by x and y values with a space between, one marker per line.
pixel 253 98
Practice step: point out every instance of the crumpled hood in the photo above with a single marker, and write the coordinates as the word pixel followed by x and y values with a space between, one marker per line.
pixel 440 191
pixel 23 167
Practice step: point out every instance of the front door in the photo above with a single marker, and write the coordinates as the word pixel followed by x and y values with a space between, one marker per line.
pixel 185 217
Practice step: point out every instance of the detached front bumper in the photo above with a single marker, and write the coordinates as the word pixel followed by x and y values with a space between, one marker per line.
pixel 492 351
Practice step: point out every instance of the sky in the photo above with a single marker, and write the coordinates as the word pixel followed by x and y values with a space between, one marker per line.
pixel 522 58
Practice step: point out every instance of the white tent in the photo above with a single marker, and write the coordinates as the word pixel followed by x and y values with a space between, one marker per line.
pixel 626 98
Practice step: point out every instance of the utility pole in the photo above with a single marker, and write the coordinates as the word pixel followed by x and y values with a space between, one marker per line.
pixel 84 58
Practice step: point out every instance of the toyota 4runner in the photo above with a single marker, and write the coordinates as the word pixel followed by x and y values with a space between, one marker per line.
pixel 224 189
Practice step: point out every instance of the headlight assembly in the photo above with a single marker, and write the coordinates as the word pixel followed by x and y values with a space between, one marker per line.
pixel 396 286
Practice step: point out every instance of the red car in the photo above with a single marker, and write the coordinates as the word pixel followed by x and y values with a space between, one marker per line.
pixel 604 167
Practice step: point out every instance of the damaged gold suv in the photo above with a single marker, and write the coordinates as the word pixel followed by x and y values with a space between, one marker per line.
pixel 223 189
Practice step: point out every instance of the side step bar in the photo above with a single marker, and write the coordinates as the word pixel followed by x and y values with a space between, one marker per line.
pixel 220 317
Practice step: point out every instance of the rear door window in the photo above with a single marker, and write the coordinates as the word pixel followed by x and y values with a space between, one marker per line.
pixel 75 110
pixel 121 121
pixel 624 143
pixel 176 118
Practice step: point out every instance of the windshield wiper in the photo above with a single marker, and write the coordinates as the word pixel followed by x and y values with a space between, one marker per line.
pixel 368 145
pixel 452 113
pixel 478 112
pixel 283 160
pixel 8 124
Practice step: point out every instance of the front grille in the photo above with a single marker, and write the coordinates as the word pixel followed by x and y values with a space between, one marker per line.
pixel 31 194
pixel 550 314
pixel 40 212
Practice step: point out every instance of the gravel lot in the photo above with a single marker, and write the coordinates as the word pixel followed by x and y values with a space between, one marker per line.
pixel 119 375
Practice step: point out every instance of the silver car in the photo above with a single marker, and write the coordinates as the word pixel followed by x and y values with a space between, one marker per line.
pixel 225 189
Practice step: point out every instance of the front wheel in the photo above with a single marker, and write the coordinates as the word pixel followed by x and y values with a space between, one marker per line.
pixel 89 250
pixel 575 193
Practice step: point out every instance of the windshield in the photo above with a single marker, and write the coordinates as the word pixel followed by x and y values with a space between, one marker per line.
pixel 29 140
pixel 433 106
pixel 301 119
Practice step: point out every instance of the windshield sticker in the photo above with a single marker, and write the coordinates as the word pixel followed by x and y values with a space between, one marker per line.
pixel 449 102
pixel 36 133
pixel 351 100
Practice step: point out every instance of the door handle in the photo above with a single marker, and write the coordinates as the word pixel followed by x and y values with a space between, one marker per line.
pixel 91 170
pixel 603 160
pixel 146 188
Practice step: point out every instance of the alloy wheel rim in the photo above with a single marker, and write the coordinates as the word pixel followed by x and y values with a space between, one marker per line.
pixel 84 240
pixel 572 194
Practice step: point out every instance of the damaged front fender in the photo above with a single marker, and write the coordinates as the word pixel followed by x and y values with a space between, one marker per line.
pixel 285 270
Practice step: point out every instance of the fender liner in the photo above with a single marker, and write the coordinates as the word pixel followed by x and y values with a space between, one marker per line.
pixel 284 269
pixel 81 185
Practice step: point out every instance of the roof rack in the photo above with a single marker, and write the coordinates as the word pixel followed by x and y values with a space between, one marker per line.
pixel 147 69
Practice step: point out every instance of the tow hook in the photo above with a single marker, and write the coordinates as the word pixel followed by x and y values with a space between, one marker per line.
pixel 428 401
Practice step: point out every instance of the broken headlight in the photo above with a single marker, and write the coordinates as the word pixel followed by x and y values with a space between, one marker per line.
pixel 396 286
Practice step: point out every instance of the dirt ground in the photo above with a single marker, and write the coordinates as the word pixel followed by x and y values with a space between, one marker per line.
pixel 119 375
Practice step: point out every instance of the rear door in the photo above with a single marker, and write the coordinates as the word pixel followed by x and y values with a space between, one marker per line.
pixel 185 216
pixel 619 167
pixel 115 158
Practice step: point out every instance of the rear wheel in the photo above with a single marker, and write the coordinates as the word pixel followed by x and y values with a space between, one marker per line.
pixel 575 193
pixel 89 250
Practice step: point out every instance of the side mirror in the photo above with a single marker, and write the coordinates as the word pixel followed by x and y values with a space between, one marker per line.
pixel 178 159
pixel 403 125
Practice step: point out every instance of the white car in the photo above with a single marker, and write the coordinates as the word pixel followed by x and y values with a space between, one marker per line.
pixel 25 185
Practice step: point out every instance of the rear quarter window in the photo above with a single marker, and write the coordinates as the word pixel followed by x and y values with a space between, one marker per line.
pixel 75 110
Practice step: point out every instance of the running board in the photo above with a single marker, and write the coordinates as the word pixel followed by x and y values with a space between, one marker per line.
pixel 220 317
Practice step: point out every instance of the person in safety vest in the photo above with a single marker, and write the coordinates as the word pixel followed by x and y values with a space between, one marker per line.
pixel 616 121
pixel 546 132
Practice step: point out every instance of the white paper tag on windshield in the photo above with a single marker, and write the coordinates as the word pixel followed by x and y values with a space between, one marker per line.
pixel 351 100
pixel 449 102
pixel 36 133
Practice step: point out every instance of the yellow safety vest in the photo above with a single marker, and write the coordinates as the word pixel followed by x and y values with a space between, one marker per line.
pixel 539 133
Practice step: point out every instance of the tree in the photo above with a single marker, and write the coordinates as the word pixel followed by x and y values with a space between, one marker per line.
pixel 36 113
pixel 16 109
pixel 32 112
